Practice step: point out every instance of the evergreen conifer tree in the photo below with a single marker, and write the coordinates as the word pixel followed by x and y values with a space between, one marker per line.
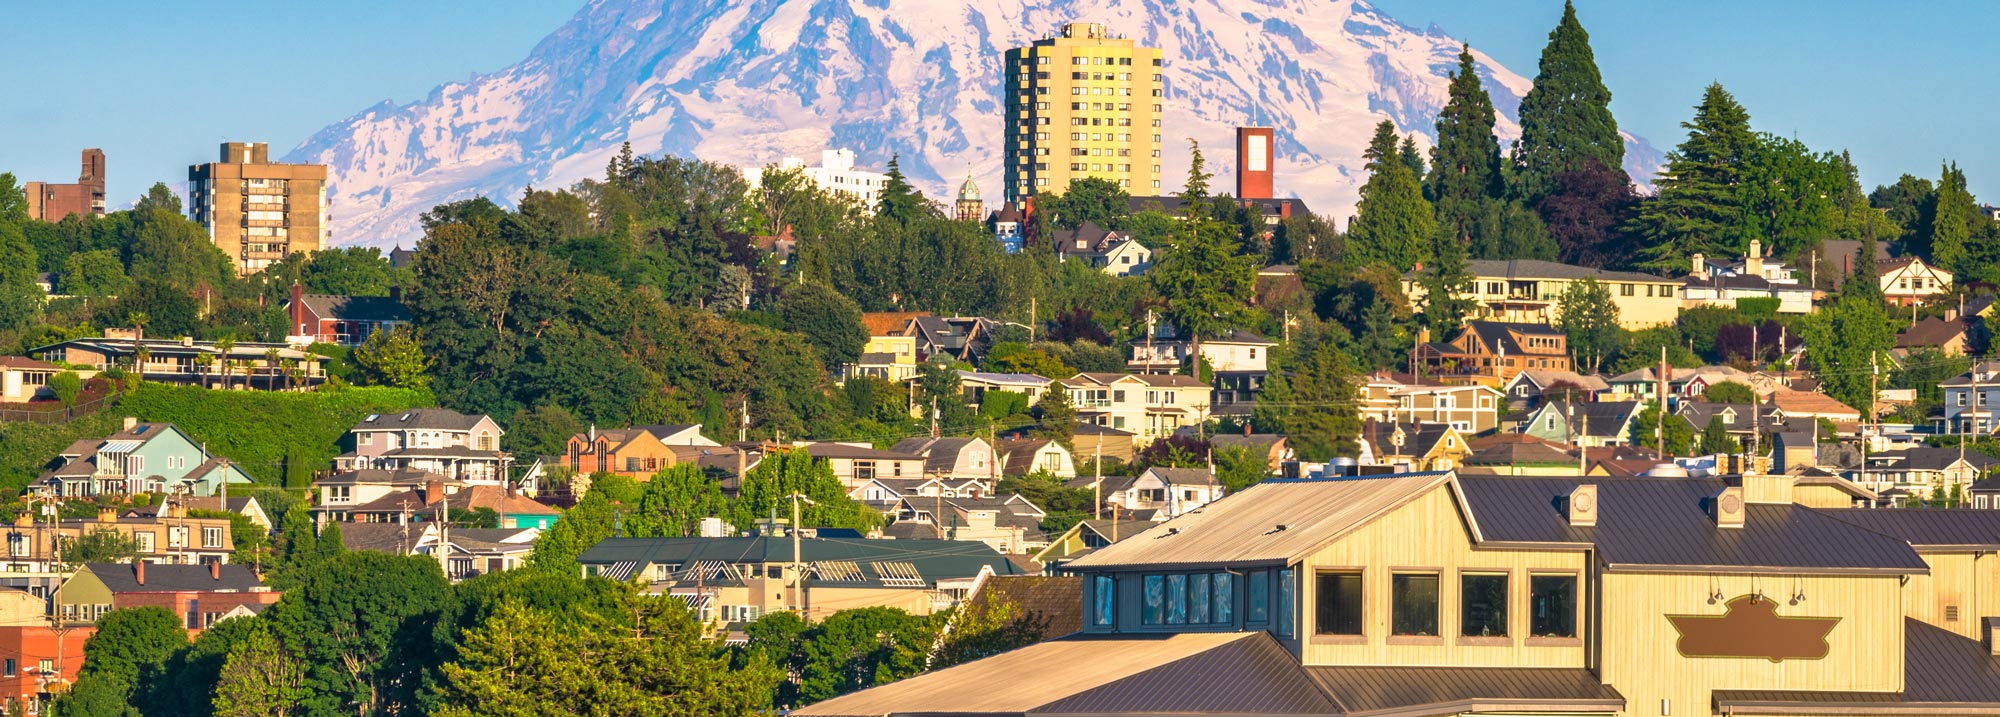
pixel 1466 183
pixel 1447 282
pixel 1393 223
pixel 1413 158
pixel 899 201
pixel 1952 218
pixel 1698 208
pixel 1566 120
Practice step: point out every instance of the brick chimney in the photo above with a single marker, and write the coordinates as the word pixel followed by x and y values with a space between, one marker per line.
pixel 24 520
pixel 107 515
pixel 215 571
pixel 433 491
pixel 139 571
pixel 131 422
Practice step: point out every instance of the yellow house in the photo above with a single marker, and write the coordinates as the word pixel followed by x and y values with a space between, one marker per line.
pixel 1445 594
pixel 1530 291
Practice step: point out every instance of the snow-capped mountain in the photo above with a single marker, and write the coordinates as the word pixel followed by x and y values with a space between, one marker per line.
pixel 748 82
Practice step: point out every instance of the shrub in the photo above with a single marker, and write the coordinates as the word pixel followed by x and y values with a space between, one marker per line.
pixel 265 432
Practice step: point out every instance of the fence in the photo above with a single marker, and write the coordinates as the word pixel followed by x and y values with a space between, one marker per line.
pixel 47 413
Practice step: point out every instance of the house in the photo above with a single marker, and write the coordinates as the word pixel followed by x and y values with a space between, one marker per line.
pixel 780 246
pixel 953 457
pixel 1005 224
pixel 171 538
pixel 1024 456
pixel 1271 446
pixel 1724 283
pixel 886 358
pixel 41 653
pixel 1116 253
pixel 198 594
pixel 1643 384
pixel 1087 535
pixel 635 453
pixel 342 320
pixel 243 505
pixel 341 491
pixel 1158 494
pixel 1984 494
pixel 433 440
pixel 1491 352
pixel 1743 421
pixel 1151 406
pixel 1952 336
pixel 24 379
pixel 857 463
pixel 1468 408
pixel 1239 361
pixel 1528 388
pixel 1594 424
pixel 1093 443
pixel 1529 291
pixel 246 365
pixel 1909 280
pixel 468 552
pixel 139 458
pixel 976 384
pixel 1010 524
pixel 956 338
pixel 1795 452
pixel 1519 454
pixel 1789 405
pixel 1960 413
pixel 741 579
pixel 1443 594
pixel 1414 446
pixel 435 499
pixel 1923 469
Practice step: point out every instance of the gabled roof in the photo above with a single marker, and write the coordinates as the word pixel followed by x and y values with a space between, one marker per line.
pixel 1004 379
pixel 940 454
pixel 428 419
pixel 1932 332
pixel 888 323
pixel 1019 453
pixel 1419 439
pixel 1516 449
pixel 1544 378
pixel 1538 269
pixel 822 449
pixel 1273 522
pixel 1660 523
pixel 1183 476
pixel 1602 419
pixel 124 578
pixel 23 363
pixel 931 560
pixel 1796 403
pixel 1495 336
pixel 378 309
pixel 1256 442
pixel 1929 458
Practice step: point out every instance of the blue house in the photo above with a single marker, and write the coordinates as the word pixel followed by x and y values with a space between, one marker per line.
pixel 140 458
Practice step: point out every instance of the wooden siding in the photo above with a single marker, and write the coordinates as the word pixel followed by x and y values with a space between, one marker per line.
pixel 1640 657
pixel 1427 535
pixel 1967 580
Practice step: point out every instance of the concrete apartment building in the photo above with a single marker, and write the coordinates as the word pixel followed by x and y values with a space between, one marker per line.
pixel 52 202
pixel 835 175
pixel 1083 103
pixel 258 212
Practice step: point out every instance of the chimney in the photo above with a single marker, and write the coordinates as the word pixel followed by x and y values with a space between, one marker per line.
pixel 1582 504
pixel 1768 488
pixel 215 570
pixel 1700 268
pixel 107 515
pixel 139 571
pixel 131 422
pixel 433 491
pixel 1753 264
pixel 1728 508
pixel 25 520
pixel 298 298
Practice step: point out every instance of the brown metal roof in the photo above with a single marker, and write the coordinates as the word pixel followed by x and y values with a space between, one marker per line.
pixel 1925 527
pixel 1056 669
pixel 1943 673
pixel 1249 676
pixel 1661 522
pixel 1369 689
pixel 1276 521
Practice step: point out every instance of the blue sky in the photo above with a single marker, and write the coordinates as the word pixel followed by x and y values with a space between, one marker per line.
pixel 1897 84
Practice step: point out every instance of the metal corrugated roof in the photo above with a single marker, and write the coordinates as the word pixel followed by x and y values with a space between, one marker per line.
pixel 1245 528
pixel 1924 527
pixel 1249 676
pixel 1368 689
pixel 1942 671
pixel 1658 522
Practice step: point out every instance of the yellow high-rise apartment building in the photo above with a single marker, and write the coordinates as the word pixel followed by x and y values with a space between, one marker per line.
pixel 256 211
pixel 1084 103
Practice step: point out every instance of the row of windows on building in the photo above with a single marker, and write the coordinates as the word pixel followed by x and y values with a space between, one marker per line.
pixel 1092 60
pixel 1484 604
pixel 22 545
pixel 1022 185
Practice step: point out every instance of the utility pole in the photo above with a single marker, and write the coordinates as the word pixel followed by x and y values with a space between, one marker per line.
pixel 1032 315
pixel 934 418
pixel 444 533
pixel 743 428
pixel 1148 368
pixel 797 602
pixel 1660 395
pixel 1097 480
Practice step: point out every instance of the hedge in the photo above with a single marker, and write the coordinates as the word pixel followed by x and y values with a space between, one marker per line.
pixel 277 438
pixel 26 449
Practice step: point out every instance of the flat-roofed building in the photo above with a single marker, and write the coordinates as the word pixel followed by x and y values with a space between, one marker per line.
pixel 54 202
pixel 256 211
pixel 1083 102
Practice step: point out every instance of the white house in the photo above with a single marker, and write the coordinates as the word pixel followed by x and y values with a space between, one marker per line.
pixel 835 174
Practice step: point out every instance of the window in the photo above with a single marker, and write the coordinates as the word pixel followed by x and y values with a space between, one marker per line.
pixel 1483 605
pixel 1413 608
pixel 145 541
pixel 1552 606
pixel 1106 605
pixel 631 465
pixel 1257 603
pixel 1339 609
pixel 47 666
pixel 1177 595
pixel 1223 595
pixel 1286 580
pixel 211 537
pixel 17 544
pixel 9 669
pixel 1154 610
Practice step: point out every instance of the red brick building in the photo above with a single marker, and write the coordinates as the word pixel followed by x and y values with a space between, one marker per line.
pixel 36 659
pixel 199 594
pixel 52 202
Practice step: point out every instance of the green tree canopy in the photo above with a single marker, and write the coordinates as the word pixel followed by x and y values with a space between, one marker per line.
pixel 1566 122
pixel 1393 224
pixel 1698 208
pixel 827 320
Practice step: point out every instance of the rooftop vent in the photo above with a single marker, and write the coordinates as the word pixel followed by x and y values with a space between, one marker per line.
pixel 1728 508
pixel 1582 506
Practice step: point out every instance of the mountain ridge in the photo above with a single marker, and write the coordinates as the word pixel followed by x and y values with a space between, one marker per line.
pixel 749 82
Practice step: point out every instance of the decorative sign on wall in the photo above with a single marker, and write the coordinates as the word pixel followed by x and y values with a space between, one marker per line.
pixel 1751 627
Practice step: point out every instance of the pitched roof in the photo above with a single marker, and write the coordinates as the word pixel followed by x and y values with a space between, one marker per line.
pixel 1496 336
pixel 932 560
pixel 436 419
pixel 1810 402
pixel 1544 378
pixel 1538 269
pixel 940 454
pixel 1184 476
pixel 1664 522
pixel 1932 332
pixel 1923 527
pixel 1929 458
pixel 1516 449
pixel 20 363
pixel 1270 523
pixel 1603 419
pixel 124 578
pixel 888 323
pixel 1051 605
pixel 1468 689
pixel 1419 439
pixel 356 308
pixel 1256 442
pixel 822 449
pixel 1020 454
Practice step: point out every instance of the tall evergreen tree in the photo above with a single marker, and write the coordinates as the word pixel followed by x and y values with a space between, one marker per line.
pixel 1393 223
pixel 1566 121
pixel 1413 158
pixel 1466 159
pixel 1951 216
pixel 1194 194
pixel 899 201
pixel 1699 207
